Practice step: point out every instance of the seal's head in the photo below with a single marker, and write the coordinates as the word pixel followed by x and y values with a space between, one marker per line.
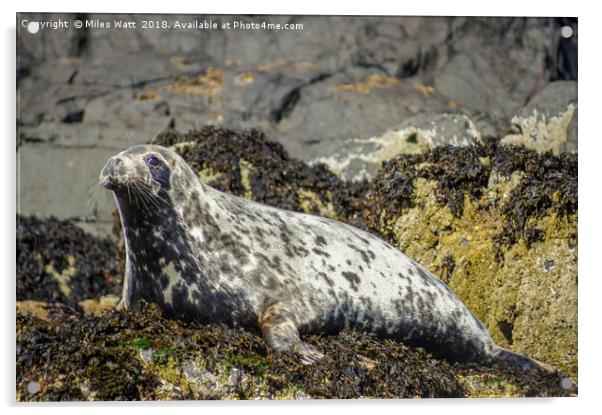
pixel 142 168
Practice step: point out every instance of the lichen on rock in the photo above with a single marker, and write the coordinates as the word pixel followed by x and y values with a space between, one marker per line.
pixel 498 224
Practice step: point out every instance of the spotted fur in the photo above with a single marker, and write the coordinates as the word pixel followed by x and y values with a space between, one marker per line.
pixel 212 257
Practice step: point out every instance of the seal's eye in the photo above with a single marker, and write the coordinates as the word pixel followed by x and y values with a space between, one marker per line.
pixel 152 160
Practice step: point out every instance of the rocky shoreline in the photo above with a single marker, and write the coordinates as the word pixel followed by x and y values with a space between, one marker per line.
pixel 497 222
pixel 453 138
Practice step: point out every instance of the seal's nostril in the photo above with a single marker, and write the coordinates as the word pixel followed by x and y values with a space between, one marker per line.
pixel 115 166
pixel 116 162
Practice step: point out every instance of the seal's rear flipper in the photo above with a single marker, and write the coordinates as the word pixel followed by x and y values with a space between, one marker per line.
pixel 505 358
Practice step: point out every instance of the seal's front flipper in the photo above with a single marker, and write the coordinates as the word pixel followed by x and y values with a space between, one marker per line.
pixel 281 334
pixel 309 354
pixel 125 303
pixel 120 305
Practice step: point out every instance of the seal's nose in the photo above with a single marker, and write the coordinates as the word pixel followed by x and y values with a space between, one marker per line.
pixel 111 173
pixel 115 166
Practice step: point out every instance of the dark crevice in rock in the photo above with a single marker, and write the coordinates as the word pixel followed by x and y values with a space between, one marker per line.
pixel 73 117
pixel 286 106
pixel 291 98
pixel 22 73
pixel 65 100
pixel 564 60
pixel 360 61
pixel 409 68
pixel 72 77
pixel 506 328
pixel 81 40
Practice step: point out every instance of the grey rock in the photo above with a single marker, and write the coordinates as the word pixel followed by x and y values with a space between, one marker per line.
pixel 348 105
pixel 299 395
pixel 549 121
pixel 146 354
pixel 61 181
pixel 33 387
pixel 88 93
pixel 360 158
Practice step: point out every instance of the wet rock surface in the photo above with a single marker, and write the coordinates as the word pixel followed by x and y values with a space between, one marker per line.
pixel 360 159
pixel 549 121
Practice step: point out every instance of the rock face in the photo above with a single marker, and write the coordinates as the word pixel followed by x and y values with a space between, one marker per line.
pixel 359 159
pixel 549 121
pixel 498 224
pixel 322 91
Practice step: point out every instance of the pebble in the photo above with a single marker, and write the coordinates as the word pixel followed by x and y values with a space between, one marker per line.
pixel 146 354
pixel 33 387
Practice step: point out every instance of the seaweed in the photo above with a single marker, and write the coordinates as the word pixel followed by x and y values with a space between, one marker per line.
pixel 77 357
pixel 548 183
pixel 57 261
pixel 246 163
pixel 68 355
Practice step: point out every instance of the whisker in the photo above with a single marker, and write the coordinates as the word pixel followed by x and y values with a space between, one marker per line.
pixel 92 198
pixel 146 201
pixel 127 186
pixel 129 137
pixel 156 134
pixel 93 195
pixel 145 193
pixel 148 190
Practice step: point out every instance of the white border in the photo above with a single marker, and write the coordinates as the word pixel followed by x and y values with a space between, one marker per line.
pixel 590 136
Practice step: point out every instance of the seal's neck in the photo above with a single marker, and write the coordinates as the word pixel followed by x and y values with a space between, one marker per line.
pixel 161 228
pixel 151 226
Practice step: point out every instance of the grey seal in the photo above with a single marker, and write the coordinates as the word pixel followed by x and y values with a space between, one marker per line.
pixel 205 255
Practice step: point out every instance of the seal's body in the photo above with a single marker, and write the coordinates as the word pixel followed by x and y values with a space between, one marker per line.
pixel 212 257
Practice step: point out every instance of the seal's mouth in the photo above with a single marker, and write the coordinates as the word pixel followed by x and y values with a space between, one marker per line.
pixel 110 173
pixel 108 183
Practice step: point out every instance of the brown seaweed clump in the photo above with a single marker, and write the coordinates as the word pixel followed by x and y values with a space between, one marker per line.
pixel 59 262
pixel 247 164
pixel 127 356
pixel 498 224
pixel 546 182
